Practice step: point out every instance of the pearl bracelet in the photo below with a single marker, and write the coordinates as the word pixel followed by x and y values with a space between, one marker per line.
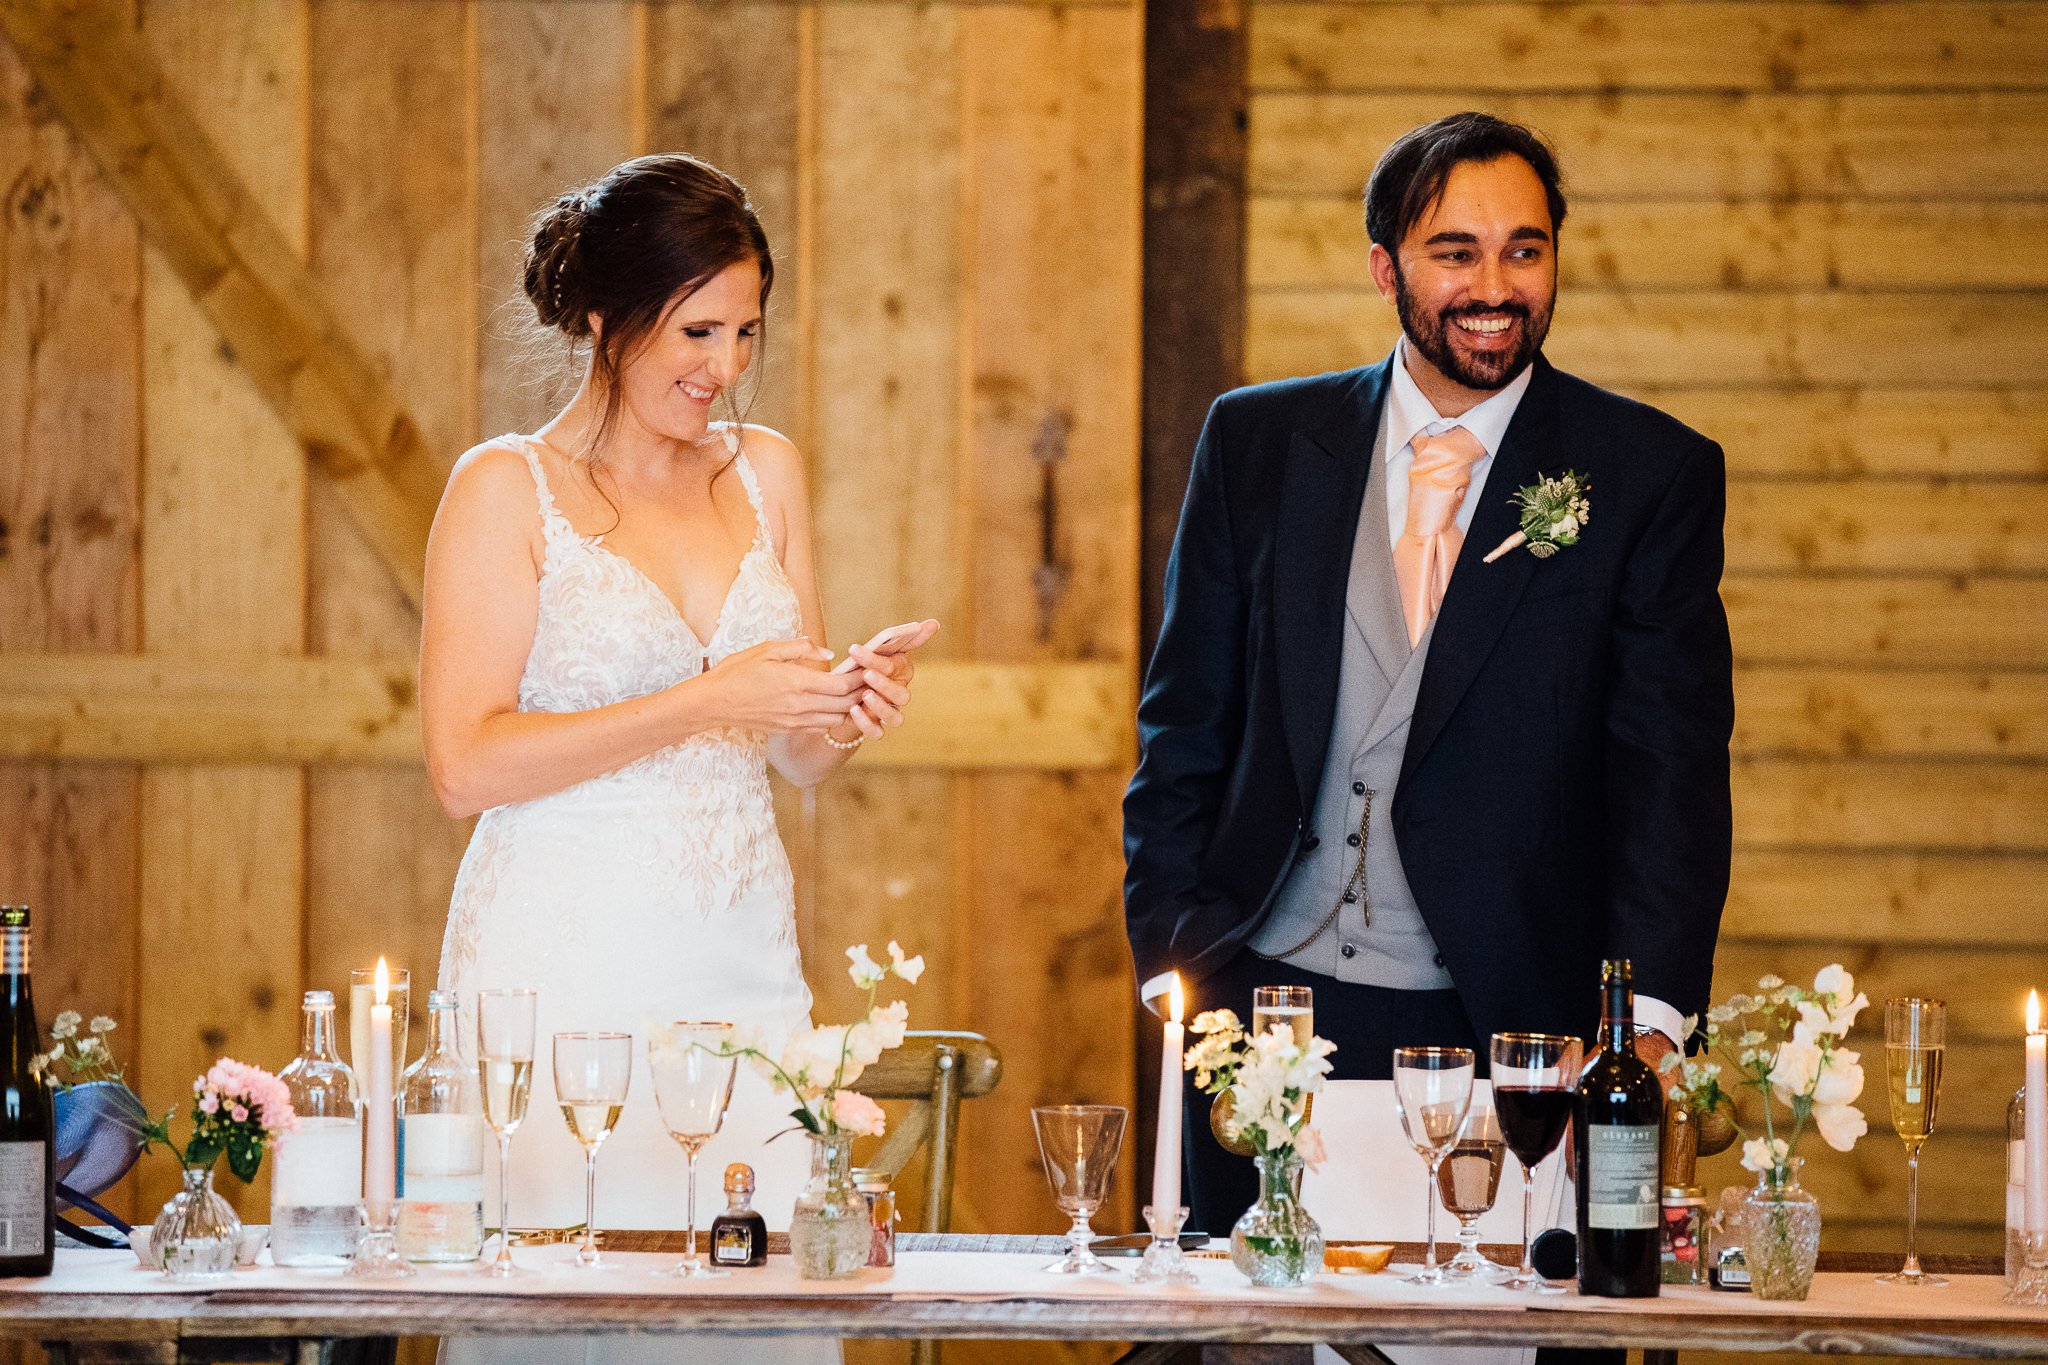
pixel 844 746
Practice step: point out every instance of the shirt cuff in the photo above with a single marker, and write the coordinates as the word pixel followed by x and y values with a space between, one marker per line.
pixel 1156 987
pixel 1654 1013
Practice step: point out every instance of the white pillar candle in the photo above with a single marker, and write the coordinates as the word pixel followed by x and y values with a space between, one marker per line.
pixel 2037 1120
pixel 1166 1161
pixel 380 1155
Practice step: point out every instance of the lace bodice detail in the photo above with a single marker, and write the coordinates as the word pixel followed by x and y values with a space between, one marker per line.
pixel 607 634
pixel 695 821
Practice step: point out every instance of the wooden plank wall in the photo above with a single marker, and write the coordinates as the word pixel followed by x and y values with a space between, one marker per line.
pixel 953 195
pixel 1806 229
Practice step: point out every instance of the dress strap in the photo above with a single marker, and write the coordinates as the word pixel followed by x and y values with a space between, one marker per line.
pixel 752 483
pixel 551 518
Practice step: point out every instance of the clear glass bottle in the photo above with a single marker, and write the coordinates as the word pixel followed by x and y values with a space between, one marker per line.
pixel 441 1147
pixel 2015 1184
pixel 316 1185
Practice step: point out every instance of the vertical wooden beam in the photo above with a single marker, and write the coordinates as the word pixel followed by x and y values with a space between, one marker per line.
pixel 1050 188
pixel 559 103
pixel 70 422
pixel 394 250
pixel 1196 106
pixel 723 84
pixel 887 284
pixel 223 572
pixel 1196 133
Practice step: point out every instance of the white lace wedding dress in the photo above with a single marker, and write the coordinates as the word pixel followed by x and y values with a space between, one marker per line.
pixel 655 893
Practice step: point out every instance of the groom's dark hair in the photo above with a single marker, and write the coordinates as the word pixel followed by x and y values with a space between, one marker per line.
pixel 1411 174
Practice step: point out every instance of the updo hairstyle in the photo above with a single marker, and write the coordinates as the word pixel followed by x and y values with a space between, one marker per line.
pixel 645 233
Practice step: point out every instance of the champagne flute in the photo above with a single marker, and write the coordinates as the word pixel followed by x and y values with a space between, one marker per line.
pixel 1078 1144
pixel 1914 1036
pixel 592 1072
pixel 1467 1182
pixel 1292 1008
pixel 1534 1078
pixel 504 1036
pixel 693 1076
pixel 1434 1085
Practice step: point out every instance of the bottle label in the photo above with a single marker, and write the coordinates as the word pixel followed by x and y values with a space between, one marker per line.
pixel 732 1245
pixel 24 1218
pixel 1621 1179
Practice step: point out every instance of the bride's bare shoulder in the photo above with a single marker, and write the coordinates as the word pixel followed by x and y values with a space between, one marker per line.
pixel 775 459
pixel 492 479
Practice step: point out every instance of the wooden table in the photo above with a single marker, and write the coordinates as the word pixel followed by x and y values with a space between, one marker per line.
pixel 325 1326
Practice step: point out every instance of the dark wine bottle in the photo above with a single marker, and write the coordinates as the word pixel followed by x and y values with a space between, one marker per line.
pixel 28 1172
pixel 1615 1127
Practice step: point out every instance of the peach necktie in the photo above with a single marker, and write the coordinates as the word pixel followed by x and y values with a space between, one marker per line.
pixel 1429 543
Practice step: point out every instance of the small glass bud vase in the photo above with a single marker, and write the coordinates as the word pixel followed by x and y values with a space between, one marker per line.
pixel 1277 1244
pixel 1780 1234
pixel 194 1237
pixel 830 1230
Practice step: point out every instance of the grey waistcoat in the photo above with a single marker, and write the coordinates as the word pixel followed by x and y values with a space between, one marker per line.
pixel 1376 683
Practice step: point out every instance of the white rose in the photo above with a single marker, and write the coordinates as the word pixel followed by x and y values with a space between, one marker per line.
pixel 1566 525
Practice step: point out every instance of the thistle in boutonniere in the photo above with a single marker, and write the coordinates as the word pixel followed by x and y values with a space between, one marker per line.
pixel 1554 511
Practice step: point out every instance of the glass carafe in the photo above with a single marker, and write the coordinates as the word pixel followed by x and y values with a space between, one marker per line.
pixel 316 1185
pixel 441 1147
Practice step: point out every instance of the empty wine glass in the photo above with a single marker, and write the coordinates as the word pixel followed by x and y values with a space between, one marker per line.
pixel 1535 1076
pixel 1078 1144
pixel 592 1072
pixel 504 1062
pixel 693 1076
pixel 1434 1085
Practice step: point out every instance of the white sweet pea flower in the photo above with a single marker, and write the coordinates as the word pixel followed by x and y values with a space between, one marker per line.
pixel 1840 1124
pixel 909 968
pixel 1841 1078
pixel 865 971
pixel 1795 1069
pixel 1760 1156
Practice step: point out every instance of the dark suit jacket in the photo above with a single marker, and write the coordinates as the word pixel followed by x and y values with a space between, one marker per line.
pixel 1564 795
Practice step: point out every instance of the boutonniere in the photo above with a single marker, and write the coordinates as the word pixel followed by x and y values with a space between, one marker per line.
pixel 1554 511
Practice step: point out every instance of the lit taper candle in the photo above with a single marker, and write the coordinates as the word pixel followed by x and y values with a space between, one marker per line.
pixel 380 1148
pixel 1166 1158
pixel 2037 1120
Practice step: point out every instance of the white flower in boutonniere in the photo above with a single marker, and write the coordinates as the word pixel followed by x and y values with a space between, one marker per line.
pixel 1554 511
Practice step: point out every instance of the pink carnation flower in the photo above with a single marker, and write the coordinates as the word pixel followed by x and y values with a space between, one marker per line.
pixel 239 1114
pixel 856 1113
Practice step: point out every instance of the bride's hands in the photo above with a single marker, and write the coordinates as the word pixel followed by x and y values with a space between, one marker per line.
pixel 780 686
pixel 885 675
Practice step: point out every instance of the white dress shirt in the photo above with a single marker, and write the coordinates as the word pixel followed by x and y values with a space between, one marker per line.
pixel 1411 414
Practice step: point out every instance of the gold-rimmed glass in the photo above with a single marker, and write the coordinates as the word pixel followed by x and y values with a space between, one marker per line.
pixel 592 1074
pixel 693 1070
pixel 1915 1036
pixel 1434 1086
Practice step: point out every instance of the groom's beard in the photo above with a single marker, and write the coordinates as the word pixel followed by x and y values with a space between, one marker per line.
pixel 1430 333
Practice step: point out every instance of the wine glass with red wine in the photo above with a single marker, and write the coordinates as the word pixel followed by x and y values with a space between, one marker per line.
pixel 1535 1076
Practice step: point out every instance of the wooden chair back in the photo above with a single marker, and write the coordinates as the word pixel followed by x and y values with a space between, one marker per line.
pixel 935 1071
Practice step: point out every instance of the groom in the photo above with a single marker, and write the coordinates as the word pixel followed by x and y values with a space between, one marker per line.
pixel 1434 788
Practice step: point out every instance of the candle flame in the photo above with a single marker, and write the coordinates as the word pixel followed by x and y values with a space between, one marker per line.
pixel 2033 1011
pixel 383 987
pixel 1176 1002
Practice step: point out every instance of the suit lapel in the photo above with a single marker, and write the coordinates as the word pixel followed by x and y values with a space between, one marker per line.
pixel 1481 596
pixel 1321 489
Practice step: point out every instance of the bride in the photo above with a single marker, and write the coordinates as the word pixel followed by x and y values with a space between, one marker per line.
pixel 621 631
